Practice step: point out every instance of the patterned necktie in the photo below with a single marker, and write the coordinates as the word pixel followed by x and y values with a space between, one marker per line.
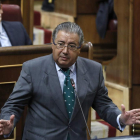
pixel 0 44
pixel 68 93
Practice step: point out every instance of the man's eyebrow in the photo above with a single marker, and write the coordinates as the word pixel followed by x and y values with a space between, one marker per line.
pixel 72 43
pixel 61 41
pixel 68 43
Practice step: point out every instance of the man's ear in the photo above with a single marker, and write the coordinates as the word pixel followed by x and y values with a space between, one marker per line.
pixel 52 40
pixel 52 46
pixel 79 50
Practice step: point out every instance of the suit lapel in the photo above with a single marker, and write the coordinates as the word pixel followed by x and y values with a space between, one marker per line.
pixel 82 86
pixel 55 88
pixel 10 32
pixel 54 85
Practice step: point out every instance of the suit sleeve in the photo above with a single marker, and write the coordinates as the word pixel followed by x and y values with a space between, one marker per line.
pixel 104 106
pixel 27 39
pixel 20 96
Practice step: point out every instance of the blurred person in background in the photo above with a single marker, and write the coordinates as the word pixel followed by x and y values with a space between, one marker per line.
pixel 12 33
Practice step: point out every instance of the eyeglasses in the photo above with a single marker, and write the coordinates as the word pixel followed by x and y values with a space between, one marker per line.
pixel 61 45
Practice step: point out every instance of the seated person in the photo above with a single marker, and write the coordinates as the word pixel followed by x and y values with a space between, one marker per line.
pixel 104 14
pixel 48 5
pixel 12 33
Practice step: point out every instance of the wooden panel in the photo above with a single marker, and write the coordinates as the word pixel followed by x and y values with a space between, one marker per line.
pixel 75 7
pixel 87 27
pixel 87 6
pixel 12 71
pixel 18 55
pixel 5 90
pixel 136 44
pixel 119 70
pixel 135 96
pixel 135 103
pixel 119 95
pixel 135 129
pixel 103 53
pixel 51 19
pixel 28 17
pixel 66 6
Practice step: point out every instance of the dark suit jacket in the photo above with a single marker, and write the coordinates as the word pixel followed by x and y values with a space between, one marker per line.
pixel 47 6
pixel 16 33
pixel 47 119
pixel 104 14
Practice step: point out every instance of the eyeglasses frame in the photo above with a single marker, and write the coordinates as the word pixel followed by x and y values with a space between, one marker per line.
pixel 66 46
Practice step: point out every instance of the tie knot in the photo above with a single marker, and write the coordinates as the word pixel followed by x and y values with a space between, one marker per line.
pixel 66 72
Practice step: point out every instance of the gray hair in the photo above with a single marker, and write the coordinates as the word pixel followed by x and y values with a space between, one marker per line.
pixel 69 27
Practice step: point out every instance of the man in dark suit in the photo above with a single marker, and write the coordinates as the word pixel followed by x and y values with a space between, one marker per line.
pixel 104 14
pixel 12 33
pixel 43 86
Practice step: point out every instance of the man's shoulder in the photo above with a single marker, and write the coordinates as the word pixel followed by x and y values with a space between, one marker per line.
pixel 11 23
pixel 87 61
pixel 39 60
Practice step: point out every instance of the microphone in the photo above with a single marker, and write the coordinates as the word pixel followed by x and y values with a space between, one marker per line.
pixel 73 84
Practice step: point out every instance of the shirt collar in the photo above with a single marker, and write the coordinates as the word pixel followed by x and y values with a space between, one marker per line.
pixel 72 68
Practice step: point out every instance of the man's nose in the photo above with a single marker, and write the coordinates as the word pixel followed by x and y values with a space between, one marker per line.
pixel 65 50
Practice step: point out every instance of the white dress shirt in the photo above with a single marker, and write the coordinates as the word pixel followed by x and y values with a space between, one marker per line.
pixel 61 75
pixel 4 39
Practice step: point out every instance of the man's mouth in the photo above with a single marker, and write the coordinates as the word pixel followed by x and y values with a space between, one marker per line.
pixel 64 58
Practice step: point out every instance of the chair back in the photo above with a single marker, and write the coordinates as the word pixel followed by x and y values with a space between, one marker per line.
pixel 37 18
pixel 11 12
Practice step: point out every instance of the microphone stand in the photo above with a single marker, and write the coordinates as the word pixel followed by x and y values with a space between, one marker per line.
pixel 73 84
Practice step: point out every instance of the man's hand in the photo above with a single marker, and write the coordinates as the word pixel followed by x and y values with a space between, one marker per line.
pixel 129 117
pixel 6 126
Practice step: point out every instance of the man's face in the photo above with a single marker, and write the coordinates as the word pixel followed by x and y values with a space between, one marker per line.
pixel 1 11
pixel 65 57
